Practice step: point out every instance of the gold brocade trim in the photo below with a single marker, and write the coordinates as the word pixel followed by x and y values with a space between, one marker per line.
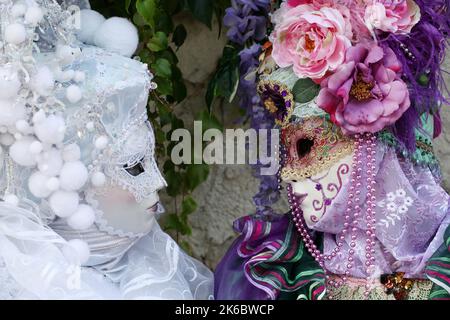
pixel 424 146
pixel 354 289
pixel 270 106
pixel 321 165
pixel 330 146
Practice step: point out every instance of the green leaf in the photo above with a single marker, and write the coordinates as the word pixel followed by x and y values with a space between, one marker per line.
pixel 202 10
pixel 159 42
pixel 173 179
pixel 179 90
pixel 209 121
pixel 147 9
pixel 127 5
pixel 196 175
pixel 162 68
pixel 179 35
pixel 165 116
pixel 188 207
pixel 305 90
pixel 172 7
pixel 226 80
pixel 177 223
pixel 139 21
pixel 165 86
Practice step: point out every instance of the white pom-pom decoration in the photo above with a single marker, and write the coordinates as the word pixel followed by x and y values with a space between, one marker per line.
pixel 11 112
pixel 51 162
pixel 9 84
pixel 73 93
pixel 71 153
pixel 38 185
pixel 64 203
pixel 82 250
pixel 11 199
pixel 53 184
pixel 98 179
pixel 6 139
pixel 67 54
pixel 15 33
pixel 18 10
pixel 23 126
pixel 117 35
pixel 51 130
pixel 36 147
pixel 63 76
pixel 34 15
pixel 101 142
pixel 90 126
pixel 20 152
pixel 39 117
pixel 79 76
pixel 83 218
pixel 68 75
pixel 73 176
pixel 43 81
pixel 90 22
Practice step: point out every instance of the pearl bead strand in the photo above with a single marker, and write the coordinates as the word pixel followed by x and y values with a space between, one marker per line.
pixel 352 214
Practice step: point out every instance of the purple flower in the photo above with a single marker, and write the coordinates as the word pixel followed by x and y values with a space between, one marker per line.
pixel 276 100
pixel 366 94
pixel 247 23
pixel 246 20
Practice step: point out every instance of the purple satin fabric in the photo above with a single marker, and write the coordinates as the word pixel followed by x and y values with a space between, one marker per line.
pixel 230 280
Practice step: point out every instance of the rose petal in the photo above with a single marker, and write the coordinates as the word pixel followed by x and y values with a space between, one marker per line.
pixel 362 112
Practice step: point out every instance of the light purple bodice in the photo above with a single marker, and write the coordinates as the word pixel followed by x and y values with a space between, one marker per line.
pixel 411 213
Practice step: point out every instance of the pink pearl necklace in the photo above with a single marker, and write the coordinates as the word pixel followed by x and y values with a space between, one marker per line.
pixel 352 215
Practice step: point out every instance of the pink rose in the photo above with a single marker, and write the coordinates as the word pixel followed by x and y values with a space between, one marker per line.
pixel 366 93
pixel 312 40
pixel 396 16
pixel 294 3
pixel 317 3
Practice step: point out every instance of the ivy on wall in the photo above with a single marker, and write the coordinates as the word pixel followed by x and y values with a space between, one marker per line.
pixel 160 38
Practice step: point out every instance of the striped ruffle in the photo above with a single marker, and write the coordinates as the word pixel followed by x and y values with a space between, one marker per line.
pixel 280 266
pixel 438 270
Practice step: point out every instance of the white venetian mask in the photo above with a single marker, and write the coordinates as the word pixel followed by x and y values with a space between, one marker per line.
pixel 318 164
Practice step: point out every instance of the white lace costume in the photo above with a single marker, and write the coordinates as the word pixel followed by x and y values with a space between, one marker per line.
pixel 63 156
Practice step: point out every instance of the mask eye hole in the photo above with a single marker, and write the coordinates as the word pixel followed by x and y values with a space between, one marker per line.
pixel 304 147
pixel 136 169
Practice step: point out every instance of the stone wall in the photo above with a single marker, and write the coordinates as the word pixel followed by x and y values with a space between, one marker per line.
pixel 228 192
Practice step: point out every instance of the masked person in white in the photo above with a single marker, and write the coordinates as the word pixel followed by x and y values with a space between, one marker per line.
pixel 78 174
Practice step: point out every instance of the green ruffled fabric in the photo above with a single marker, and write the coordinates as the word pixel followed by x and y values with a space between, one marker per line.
pixel 423 155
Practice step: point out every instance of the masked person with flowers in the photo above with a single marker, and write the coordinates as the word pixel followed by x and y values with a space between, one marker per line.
pixel 356 94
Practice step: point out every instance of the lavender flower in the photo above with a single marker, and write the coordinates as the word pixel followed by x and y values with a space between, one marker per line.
pixel 246 20
pixel 247 23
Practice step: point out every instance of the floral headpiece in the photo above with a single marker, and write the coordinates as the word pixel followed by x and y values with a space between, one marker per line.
pixel 372 65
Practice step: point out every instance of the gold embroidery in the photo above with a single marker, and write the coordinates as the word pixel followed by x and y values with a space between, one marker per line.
pixel 330 145
pixel 277 99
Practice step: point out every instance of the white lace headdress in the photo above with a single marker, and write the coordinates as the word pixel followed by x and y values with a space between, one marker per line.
pixel 72 117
